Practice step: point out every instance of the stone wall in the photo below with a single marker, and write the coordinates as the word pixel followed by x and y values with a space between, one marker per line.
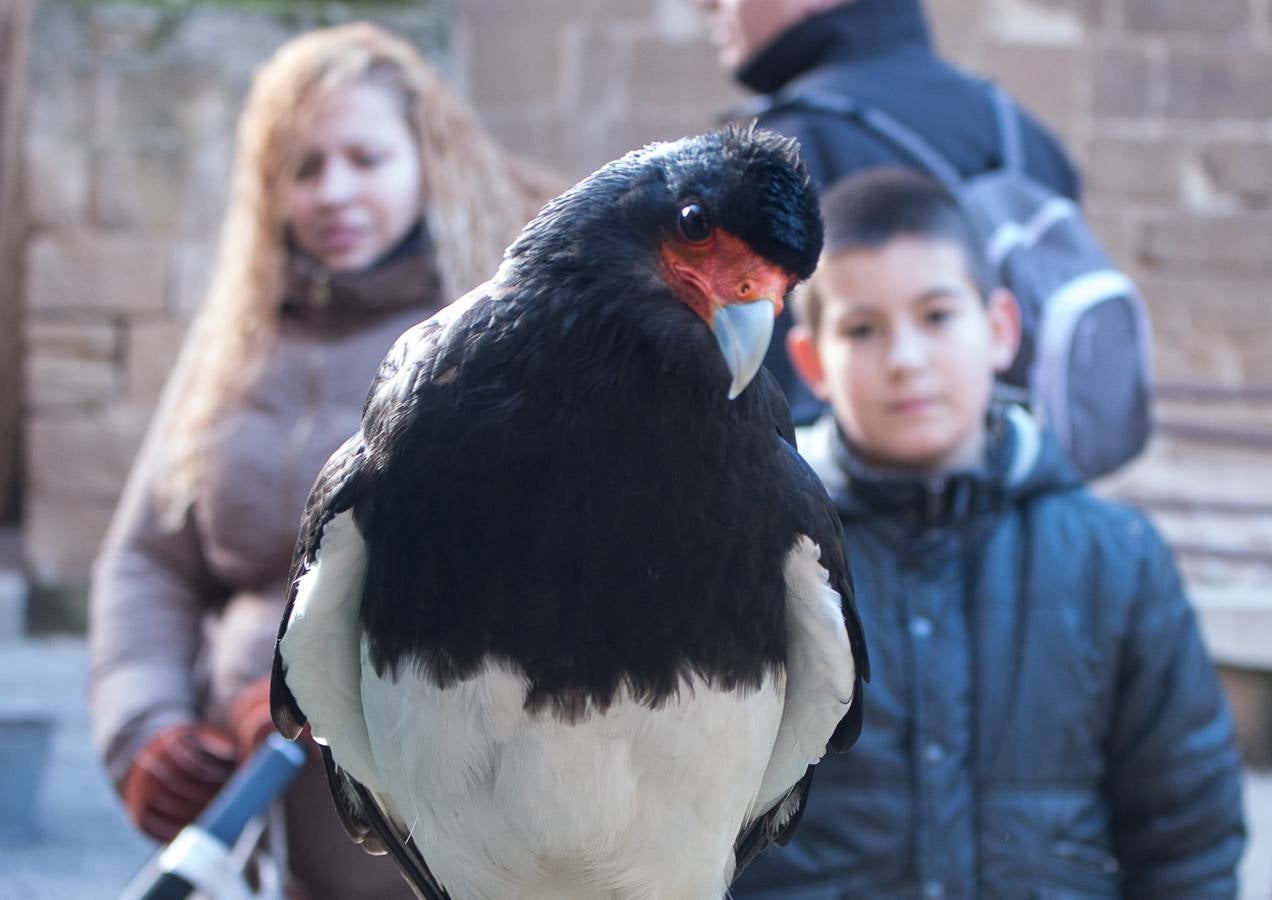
pixel 1165 103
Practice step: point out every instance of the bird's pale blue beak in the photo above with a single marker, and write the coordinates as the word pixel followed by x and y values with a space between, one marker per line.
pixel 743 331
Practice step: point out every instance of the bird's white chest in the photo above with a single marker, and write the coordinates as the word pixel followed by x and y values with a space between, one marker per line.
pixel 629 802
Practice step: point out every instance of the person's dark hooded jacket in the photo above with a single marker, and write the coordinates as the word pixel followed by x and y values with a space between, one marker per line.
pixel 1043 720
pixel 880 52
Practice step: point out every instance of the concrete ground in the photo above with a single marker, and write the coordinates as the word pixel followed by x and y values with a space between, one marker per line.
pixel 82 848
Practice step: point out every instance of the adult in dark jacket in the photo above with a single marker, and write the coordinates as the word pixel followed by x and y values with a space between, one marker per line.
pixel 879 52
pixel 1043 721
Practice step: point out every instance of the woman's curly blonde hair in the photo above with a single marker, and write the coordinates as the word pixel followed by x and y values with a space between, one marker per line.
pixel 475 199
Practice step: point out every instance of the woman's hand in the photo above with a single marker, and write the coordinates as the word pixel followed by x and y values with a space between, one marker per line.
pixel 250 717
pixel 175 776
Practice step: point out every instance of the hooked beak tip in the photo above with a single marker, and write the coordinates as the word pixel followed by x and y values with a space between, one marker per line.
pixel 743 332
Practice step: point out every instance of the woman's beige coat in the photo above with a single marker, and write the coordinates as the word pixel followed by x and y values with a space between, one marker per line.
pixel 184 617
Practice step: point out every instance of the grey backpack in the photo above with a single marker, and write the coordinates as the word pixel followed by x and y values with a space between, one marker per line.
pixel 1084 365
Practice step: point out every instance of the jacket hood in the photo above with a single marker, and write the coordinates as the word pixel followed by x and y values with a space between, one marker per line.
pixel 1023 459
pixel 849 31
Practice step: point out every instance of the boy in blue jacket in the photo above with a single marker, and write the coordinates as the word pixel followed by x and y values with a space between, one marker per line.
pixel 1043 721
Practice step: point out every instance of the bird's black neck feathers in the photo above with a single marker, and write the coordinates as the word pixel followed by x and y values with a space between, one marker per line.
pixel 582 500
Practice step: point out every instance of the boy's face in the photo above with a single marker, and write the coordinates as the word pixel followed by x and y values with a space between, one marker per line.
pixel 905 352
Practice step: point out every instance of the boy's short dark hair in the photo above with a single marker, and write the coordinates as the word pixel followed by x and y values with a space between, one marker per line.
pixel 866 210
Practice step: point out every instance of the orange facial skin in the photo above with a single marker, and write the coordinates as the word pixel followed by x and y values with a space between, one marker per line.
pixel 719 271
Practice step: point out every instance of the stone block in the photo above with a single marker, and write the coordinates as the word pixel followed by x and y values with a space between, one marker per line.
pixel 92 272
pixel 232 40
pixel 496 14
pixel 1044 80
pixel 1121 82
pixel 1250 698
pixel 1133 171
pixel 516 67
pixel 60 73
pixel 426 25
pixel 164 100
pixel 191 269
pixel 1237 625
pixel 81 337
pixel 953 20
pixel 1233 246
pixel 1188 356
pixel 151 350
pixel 13 605
pixel 119 29
pixel 56 382
pixel 1040 22
pixel 56 170
pixel 140 188
pixel 1238 170
pixel 1257 361
pixel 643 127
pixel 539 138
pixel 662 71
pixel 206 188
pixel 1092 13
pixel 1206 304
pixel 1212 18
pixel 62 537
pixel 602 78
pixel 85 457
pixel 1209 84
pixel 1116 231
pixel 115 205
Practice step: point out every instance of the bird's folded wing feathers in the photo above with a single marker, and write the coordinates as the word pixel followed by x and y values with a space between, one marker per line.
pixel 826 662
pixel 820 673
pixel 321 648
pixel 333 494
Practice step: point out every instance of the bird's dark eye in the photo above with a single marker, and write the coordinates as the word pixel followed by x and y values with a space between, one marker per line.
pixel 695 222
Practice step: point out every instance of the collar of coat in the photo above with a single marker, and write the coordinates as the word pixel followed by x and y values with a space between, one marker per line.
pixel 404 277
pixel 1022 459
pixel 850 31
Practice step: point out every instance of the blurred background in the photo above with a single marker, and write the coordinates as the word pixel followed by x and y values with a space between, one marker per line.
pixel 116 125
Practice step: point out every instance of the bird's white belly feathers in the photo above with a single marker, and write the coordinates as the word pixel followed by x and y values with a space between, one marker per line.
pixel 631 803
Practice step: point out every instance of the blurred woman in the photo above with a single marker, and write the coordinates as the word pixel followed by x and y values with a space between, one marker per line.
pixel 364 197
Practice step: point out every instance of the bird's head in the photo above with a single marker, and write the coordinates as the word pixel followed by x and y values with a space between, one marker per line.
pixel 725 223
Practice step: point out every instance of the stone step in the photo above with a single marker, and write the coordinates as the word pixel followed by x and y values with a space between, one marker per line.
pixel 14 589
pixel 1236 623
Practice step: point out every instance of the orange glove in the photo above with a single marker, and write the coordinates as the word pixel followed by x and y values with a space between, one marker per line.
pixel 250 719
pixel 174 777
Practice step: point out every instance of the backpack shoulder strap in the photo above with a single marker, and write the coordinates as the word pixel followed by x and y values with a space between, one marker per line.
pixel 883 125
pixel 1011 145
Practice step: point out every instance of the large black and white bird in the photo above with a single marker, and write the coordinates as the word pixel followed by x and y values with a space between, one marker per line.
pixel 570 617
